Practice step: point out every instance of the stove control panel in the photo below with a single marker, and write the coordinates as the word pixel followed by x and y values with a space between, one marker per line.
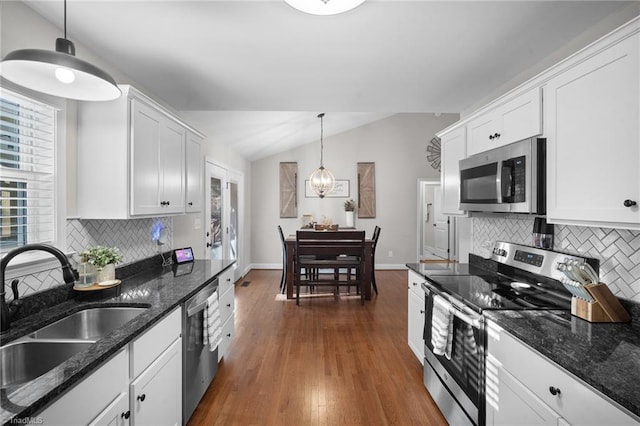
pixel 529 258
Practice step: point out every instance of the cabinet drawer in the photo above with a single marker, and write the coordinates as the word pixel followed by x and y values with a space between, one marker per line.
pixel 415 285
pixel 227 305
pixel 225 281
pixel 576 402
pixel 150 345
pixel 228 329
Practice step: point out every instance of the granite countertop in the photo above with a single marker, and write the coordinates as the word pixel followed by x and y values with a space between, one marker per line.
pixel 157 289
pixel 605 356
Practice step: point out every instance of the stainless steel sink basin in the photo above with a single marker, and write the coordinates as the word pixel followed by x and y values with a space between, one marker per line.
pixel 88 324
pixel 23 361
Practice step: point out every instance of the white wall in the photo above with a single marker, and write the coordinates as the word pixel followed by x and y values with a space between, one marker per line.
pixel 398 147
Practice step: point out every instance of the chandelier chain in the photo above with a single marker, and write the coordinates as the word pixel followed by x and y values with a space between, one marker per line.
pixel 321 116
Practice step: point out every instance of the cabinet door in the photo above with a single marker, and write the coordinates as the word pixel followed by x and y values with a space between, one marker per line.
pixel 415 324
pixel 172 146
pixel 194 172
pixel 116 414
pixel 480 133
pixel 156 395
pixel 592 117
pixel 228 329
pixel 454 149
pixel 510 403
pixel 146 125
pixel 520 118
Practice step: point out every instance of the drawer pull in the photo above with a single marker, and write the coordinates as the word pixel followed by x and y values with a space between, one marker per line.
pixel 126 415
pixel 142 397
pixel 554 391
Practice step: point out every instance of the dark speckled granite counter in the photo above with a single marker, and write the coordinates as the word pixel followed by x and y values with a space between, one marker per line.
pixel 158 289
pixel 605 356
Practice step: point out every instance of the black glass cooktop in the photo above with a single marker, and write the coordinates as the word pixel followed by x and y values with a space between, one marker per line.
pixel 482 292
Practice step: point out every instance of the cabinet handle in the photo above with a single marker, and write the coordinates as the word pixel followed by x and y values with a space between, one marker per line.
pixel 496 135
pixel 422 311
pixel 168 203
pixel 490 137
pixel 142 397
pixel 554 391
pixel 630 203
pixel 208 244
pixel 228 305
pixel 126 415
pixel 190 203
pixel 228 334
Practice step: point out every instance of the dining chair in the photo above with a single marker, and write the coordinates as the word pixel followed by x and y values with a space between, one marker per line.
pixel 283 280
pixel 332 251
pixel 374 243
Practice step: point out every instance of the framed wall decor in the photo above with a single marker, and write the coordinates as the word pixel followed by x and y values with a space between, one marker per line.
pixel 341 190
pixel 366 190
pixel 288 189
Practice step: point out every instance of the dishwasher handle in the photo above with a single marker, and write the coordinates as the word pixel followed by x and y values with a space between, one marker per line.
pixel 198 302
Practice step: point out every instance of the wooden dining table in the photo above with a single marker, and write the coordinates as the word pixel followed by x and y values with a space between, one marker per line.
pixel 290 243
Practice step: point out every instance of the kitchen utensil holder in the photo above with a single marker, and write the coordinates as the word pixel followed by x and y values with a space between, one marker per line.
pixel 605 308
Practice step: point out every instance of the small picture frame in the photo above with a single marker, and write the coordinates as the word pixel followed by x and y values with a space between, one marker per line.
pixel 341 190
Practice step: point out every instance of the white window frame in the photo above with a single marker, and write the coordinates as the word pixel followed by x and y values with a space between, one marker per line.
pixel 36 261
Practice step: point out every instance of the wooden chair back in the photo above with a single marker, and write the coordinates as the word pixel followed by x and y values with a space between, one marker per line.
pixel 328 244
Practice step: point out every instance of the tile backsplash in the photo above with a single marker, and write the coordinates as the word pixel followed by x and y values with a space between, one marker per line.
pixel 618 250
pixel 132 237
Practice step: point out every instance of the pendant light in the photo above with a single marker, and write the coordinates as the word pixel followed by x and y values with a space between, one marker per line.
pixel 322 180
pixel 324 7
pixel 59 73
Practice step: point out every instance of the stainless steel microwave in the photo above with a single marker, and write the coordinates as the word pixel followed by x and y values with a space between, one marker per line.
pixel 510 178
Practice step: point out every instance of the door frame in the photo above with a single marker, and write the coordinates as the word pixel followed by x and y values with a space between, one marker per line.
pixel 421 182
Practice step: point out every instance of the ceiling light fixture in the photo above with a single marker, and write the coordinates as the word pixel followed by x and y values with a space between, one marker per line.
pixel 322 180
pixel 324 7
pixel 59 73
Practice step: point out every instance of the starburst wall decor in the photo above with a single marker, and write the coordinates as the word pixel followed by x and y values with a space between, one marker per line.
pixel 433 152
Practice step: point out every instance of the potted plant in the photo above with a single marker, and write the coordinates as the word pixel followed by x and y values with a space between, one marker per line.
pixel 349 208
pixel 104 259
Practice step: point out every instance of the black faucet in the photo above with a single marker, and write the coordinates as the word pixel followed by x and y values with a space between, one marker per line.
pixel 8 311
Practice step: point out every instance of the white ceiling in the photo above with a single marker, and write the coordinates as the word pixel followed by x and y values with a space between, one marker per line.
pixel 263 71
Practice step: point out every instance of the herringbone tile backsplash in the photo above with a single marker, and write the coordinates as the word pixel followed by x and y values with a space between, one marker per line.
pixel 618 250
pixel 132 237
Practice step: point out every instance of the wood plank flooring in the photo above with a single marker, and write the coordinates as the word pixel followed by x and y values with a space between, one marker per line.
pixel 325 362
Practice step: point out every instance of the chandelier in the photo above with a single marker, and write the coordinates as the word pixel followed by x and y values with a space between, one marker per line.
pixel 322 180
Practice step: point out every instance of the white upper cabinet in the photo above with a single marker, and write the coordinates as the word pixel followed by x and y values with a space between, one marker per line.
pixel 512 121
pixel 131 159
pixel 592 115
pixel 453 149
pixel 195 164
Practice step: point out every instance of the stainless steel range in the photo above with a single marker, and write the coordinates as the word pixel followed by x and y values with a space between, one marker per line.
pixel 515 278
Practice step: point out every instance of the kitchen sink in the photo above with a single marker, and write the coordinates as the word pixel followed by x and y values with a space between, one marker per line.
pixel 88 324
pixel 23 361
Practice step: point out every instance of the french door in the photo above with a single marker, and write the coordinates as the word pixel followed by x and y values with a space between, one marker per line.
pixel 223 207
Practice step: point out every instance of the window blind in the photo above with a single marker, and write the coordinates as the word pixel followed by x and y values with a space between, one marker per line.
pixel 27 171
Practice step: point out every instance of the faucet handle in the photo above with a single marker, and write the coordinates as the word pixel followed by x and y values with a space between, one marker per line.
pixel 14 289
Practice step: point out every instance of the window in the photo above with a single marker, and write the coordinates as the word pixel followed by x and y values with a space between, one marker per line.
pixel 27 171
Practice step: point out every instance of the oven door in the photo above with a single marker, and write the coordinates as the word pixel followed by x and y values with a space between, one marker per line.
pixel 462 376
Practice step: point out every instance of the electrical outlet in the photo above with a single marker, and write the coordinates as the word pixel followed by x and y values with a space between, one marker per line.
pixel 390 253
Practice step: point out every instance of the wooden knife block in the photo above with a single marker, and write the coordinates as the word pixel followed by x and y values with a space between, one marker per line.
pixel 605 308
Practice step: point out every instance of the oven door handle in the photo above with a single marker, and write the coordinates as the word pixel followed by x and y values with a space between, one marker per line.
pixel 474 320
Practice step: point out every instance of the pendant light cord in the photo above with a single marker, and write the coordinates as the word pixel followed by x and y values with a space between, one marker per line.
pixel 65 19
pixel 320 116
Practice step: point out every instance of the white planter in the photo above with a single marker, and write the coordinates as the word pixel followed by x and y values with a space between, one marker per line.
pixel 107 273
pixel 349 219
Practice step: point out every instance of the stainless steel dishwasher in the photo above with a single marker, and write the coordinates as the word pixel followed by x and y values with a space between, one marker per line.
pixel 199 364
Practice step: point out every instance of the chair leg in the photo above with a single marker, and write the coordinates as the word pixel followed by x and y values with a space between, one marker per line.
pixel 373 281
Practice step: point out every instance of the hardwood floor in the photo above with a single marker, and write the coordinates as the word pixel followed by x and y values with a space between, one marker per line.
pixel 325 362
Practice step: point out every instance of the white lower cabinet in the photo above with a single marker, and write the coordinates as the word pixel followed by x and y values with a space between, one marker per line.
pixel 140 385
pixel 524 388
pixel 226 299
pixel 415 319
pixel 155 396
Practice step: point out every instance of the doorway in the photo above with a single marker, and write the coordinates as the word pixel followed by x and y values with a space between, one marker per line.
pixel 223 207
pixel 434 228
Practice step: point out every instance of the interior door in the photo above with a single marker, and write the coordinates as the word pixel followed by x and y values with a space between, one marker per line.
pixel 441 226
pixel 216 194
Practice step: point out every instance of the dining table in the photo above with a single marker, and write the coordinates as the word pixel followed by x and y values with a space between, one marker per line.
pixel 290 244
